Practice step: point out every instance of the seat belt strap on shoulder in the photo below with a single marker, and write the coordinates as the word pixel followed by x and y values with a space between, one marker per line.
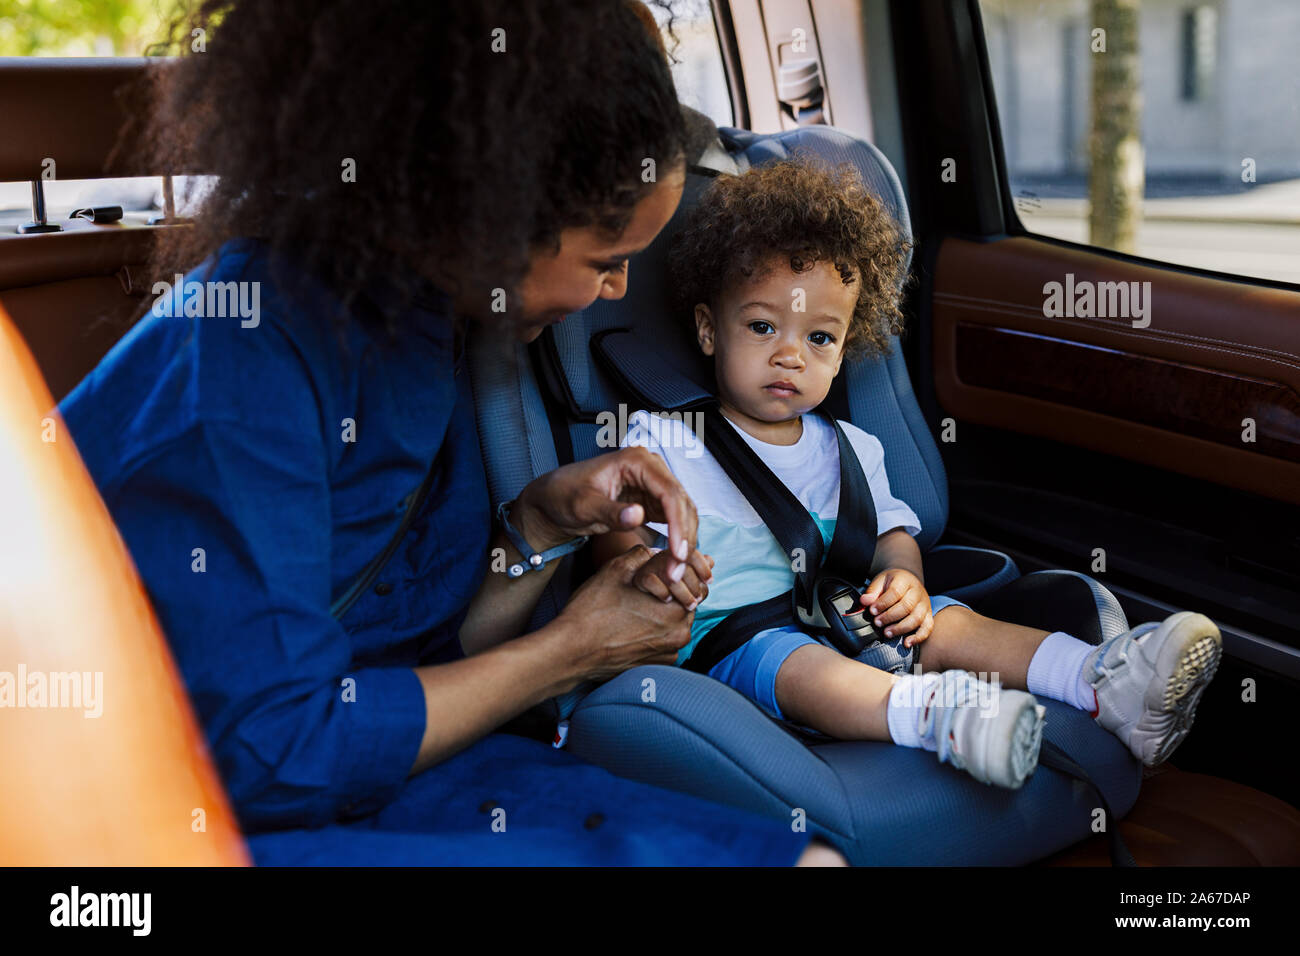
pixel 776 505
pixel 853 546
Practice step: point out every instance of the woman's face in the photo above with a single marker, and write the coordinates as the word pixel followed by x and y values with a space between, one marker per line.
pixel 589 265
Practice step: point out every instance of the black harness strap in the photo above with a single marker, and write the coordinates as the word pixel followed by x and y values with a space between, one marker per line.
pixel 852 548
pixel 737 628
pixel 853 545
pixel 777 507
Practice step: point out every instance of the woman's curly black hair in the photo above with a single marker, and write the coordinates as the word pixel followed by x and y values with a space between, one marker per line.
pixel 805 213
pixel 478 131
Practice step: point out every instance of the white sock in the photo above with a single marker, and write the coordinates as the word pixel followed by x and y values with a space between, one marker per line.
pixel 903 712
pixel 1056 671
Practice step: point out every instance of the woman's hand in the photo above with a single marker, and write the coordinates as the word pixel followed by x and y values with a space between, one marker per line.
pixel 612 625
pixel 615 492
pixel 899 603
pixel 689 590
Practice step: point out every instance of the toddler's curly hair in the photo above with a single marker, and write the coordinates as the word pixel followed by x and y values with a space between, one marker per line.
pixel 806 213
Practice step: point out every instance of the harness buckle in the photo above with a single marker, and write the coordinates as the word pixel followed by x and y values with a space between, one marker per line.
pixel 837 617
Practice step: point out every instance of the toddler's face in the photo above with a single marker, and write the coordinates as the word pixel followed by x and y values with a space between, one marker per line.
pixel 778 339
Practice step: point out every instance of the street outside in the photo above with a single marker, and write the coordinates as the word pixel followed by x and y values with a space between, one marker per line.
pixel 1256 233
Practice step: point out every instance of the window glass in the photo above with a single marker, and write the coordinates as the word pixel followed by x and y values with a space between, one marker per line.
pixel 139 197
pixel 1168 129
pixel 698 72
pixel 83 27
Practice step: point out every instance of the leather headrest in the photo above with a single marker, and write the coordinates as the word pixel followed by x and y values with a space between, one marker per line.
pixel 72 110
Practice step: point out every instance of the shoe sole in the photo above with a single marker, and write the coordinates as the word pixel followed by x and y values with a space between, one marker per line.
pixel 1026 743
pixel 1011 749
pixel 1190 656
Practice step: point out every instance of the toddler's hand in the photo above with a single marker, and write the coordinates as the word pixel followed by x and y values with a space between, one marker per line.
pixel 899 603
pixel 689 590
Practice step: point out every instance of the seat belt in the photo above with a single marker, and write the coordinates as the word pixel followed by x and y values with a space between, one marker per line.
pixel 824 599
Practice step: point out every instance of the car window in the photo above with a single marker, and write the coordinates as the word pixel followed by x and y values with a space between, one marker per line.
pixel 84 28
pixel 698 70
pixel 90 28
pixel 139 196
pixel 1168 129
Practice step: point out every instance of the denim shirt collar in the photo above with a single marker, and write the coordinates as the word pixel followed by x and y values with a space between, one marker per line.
pixel 422 307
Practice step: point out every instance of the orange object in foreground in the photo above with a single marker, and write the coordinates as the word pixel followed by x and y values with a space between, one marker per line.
pixel 102 761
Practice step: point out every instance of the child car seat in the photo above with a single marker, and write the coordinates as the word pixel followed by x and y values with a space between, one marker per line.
pixel 554 402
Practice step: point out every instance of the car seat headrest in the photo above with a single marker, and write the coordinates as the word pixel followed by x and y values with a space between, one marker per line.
pixel 705 144
pixel 661 376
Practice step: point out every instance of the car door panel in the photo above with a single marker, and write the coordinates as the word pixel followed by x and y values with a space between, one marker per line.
pixel 1179 393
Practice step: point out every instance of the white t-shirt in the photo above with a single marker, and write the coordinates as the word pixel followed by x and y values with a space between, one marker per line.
pixel 749 564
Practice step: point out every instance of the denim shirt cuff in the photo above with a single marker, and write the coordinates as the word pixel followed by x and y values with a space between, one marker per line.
pixel 386 720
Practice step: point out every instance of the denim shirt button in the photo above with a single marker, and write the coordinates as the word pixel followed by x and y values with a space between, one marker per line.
pixel 593 821
pixel 383 588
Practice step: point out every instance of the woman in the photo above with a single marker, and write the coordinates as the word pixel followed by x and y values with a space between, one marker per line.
pixel 386 175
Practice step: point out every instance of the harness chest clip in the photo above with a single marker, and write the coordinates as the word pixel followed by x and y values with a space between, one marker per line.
pixel 837 617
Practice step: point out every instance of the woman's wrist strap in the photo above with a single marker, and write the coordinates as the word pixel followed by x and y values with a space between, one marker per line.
pixel 532 560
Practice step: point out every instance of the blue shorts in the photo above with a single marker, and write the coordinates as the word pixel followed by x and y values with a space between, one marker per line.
pixel 751 668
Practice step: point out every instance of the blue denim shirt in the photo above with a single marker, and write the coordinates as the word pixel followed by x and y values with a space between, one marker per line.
pixel 254 466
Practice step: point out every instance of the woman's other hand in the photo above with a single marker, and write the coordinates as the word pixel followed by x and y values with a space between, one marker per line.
pixel 615 492
pixel 613 625
pixel 688 588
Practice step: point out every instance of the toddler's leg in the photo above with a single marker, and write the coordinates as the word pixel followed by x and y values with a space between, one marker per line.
pixel 823 689
pixel 1048 664
pixel 793 677
pixel 1142 685
pixel 992 733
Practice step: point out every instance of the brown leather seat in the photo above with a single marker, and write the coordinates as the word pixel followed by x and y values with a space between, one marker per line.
pixel 119 773
pixel 1191 819
pixel 73 294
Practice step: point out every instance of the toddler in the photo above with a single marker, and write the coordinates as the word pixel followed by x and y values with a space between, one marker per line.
pixel 784 269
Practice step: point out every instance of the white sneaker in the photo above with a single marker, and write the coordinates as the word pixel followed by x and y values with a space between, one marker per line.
pixel 1149 680
pixel 991 733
